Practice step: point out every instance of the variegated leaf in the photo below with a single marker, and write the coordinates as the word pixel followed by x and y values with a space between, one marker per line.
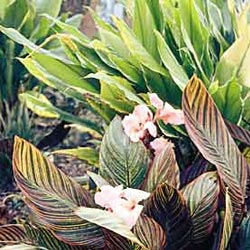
pixel 208 131
pixel 163 169
pixel 122 161
pixel 168 208
pixel 150 233
pixel 202 196
pixel 52 196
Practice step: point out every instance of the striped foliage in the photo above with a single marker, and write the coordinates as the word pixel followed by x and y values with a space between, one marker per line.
pixel 53 197
pixel 168 208
pixel 163 169
pixel 202 196
pixel 122 161
pixel 208 131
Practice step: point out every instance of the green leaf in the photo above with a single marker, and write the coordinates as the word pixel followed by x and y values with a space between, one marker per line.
pixel 122 161
pixel 107 220
pixel 234 63
pixel 208 131
pixel 164 169
pixel 175 69
pixel 139 53
pixel 51 8
pixel 202 196
pixel 143 25
pixel 228 100
pixel 150 233
pixel 87 154
pixel 40 105
pixel 167 207
pixel 52 197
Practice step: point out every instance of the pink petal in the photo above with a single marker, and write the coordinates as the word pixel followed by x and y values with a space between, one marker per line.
pixel 175 117
pixel 159 144
pixel 155 100
pixel 108 194
pixel 151 128
pixel 143 113
pixel 127 214
pixel 132 127
pixel 135 195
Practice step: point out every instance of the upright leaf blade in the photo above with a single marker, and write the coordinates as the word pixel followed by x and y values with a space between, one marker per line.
pixel 122 161
pixel 202 200
pixel 164 169
pixel 208 131
pixel 168 208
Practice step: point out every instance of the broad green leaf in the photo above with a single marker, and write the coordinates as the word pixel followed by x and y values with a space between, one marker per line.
pixel 143 26
pixel 228 100
pixel 197 33
pixel 107 220
pixel 52 197
pixel 122 161
pixel 12 234
pixel 3 6
pixel 234 63
pixel 164 169
pixel 175 69
pixel 202 196
pixel 40 105
pixel 227 223
pixel 208 131
pixel 63 72
pixel 137 50
pixel 119 82
pixel 51 8
pixel 167 207
pixel 87 154
pixel 43 75
pixel 150 233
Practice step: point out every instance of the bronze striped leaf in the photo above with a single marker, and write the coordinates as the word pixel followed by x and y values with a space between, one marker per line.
pixel 52 196
pixel 202 196
pixel 122 161
pixel 208 131
pixel 150 233
pixel 12 234
pixel 163 169
pixel 167 207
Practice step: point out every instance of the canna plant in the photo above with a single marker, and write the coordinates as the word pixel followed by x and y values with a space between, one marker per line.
pixel 166 43
pixel 145 200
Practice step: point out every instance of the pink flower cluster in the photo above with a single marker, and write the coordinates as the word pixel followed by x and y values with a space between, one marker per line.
pixel 122 202
pixel 141 121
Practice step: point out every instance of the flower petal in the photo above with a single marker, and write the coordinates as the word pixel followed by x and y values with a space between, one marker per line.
pixel 143 113
pixel 155 100
pixel 159 144
pixel 135 195
pixel 151 128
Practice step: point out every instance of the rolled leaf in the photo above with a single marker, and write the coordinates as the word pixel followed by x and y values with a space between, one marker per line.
pixel 208 131
pixel 122 161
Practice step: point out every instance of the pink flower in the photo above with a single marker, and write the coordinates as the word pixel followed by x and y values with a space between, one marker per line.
pixel 136 124
pixel 159 144
pixel 122 203
pixel 165 111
